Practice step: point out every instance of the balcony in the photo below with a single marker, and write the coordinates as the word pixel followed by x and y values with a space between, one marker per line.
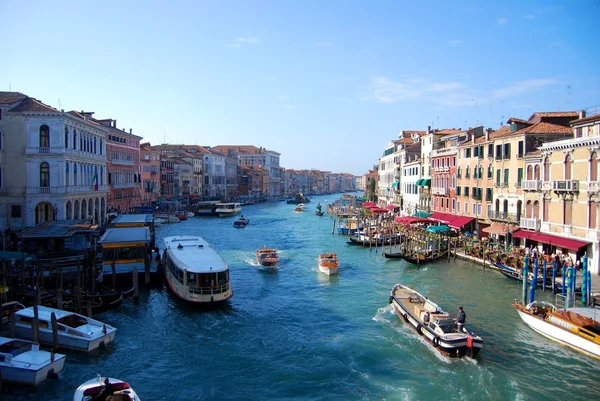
pixel 530 224
pixel 125 185
pixel 531 185
pixel 122 162
pixel 593 186
pixel 561 186
pixel 440 191
pixel 546 185
pixel 504 216
pixel 60 151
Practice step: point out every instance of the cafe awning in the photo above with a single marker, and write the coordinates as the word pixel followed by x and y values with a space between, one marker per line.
pixel 421 214
pixel 438 229
pixel 559 242
pixel 460 222
pixel 424 182
pixel 500 229
pixel 419 181
pixel 524 234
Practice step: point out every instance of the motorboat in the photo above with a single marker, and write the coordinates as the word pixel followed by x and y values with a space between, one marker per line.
pixel 181 215
pixel 328 263
pixel 298 209
pixel 226 209
pixel 439 330
pixel 578 328
pixel 121 390
pixel 75 331
pixel 23 362
pixel 267 257
pixel 194 271
pixel 241 222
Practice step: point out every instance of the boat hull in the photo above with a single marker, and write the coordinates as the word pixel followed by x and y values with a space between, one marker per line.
pixel 30 376
pixel 560 335
pixel 328 270
pixel 71 342
pixel 211 297
pixel 416 261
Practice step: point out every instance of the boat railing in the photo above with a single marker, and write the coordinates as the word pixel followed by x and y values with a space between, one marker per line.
pixel 209 290
pixel 561 300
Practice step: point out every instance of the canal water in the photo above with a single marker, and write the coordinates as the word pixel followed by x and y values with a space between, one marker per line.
pixel 298 334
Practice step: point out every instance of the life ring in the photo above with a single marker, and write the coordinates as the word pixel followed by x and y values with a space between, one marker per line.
pixel 405 317
pixel 419 329
pixel 436 341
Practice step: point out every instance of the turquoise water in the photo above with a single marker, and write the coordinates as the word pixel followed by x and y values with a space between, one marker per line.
pixel 298 334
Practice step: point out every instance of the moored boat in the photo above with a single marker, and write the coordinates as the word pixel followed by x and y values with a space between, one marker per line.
pixel 23 362
pixel 75 331
pixel 328 263
pixel 423 258
pixel 436 326
pixel 194 271
pixel 267 257
pixel 93 388
pixel 578 328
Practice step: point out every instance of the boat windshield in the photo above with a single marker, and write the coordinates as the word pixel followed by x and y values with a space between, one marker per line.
pixel 206 283
pixel 73 321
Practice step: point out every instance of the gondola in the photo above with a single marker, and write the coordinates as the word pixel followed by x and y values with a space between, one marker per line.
pixel 425 259
pixel 518 276
pixel 98 306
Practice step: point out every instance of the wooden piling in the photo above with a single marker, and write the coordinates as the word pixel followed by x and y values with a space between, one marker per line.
pixel 35 325
pixel 54 331
pixel 59 302
pixel 136 292
pixel 88 308
pixel 147 271
pixel 114 274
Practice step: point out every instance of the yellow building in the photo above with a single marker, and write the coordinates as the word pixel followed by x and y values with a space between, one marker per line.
pixel 570 189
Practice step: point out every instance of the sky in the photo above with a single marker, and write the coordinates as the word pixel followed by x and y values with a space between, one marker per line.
pixel 328 84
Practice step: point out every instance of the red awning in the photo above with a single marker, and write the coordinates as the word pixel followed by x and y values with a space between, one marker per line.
pixel 391 207
pixel 412 220
pixel 460 222
pixel 524 234
pixel 444 217
pixel 378 210
pixel 559 242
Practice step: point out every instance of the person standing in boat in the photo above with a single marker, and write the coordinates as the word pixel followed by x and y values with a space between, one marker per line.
pixel 462 317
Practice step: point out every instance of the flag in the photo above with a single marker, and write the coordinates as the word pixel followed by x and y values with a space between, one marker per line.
pixel 95 180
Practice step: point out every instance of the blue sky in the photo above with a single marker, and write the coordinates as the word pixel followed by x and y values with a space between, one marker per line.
pixel 326 83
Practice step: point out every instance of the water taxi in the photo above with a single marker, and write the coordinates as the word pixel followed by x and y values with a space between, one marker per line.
pixel 267 257
pixel 578 328
pixel 436 326
pixel 328 263
pixel 228 209
pixel 92 388
pixel 194 271
pixel 23 362
pixel 75 331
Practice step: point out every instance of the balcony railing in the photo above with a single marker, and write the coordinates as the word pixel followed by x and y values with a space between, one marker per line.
pixel 122 162
pixel 530 224
pixel 59 151
pixel 125 185
pixel 531 185
pixel 440 191
pixel 565 186
pixel 593 186
pixel 497 215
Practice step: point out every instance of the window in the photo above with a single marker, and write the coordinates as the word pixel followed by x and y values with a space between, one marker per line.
pixel 75 174
pixel 506 154
pixel 67 174
pixel 66 137
pixel 476 151
pixel 489 211
pixel 466 193
pixel 593 210
pixel 15 211
pixel 468 152
pixel 459 173
pixel 0 140
pixel 490 173
pixel 489 194
pixel 0 176
pixel 498 172
pixel 519 176
pixel 44 136
pixel 453 204
pixel 506 177
pixel 468 172
pixel 74 138
pixel 457 207
pixel 480 174
pixel 466 207
pixel 521 149
pixel 457 191
pixel 481 151
pixel 513 127
pixel 474 209
pixel 567 211
pixel 44 175
pixel 491 150
pixel 593 163
pixel 453 180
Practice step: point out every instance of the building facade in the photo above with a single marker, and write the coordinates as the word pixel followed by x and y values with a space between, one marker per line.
pixel 150 172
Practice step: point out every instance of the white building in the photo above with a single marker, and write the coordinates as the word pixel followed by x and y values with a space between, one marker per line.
pixel 387 173
pixel 52 164
pixel 411 173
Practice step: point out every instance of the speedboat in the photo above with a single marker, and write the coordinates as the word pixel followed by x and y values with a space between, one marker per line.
pixel 75 331
pixel 578 328
pixel 241 222
pixel 122 391
pixel 328 263
pixel 23 362
pixel 436 326
pixel 267 257
pixel 298 209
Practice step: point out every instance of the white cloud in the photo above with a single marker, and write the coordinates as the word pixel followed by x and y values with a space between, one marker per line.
pixel 456 42
pixel 519 87
pixel 502 21
pixel 384 90
pixel 323 44
pixel 244 40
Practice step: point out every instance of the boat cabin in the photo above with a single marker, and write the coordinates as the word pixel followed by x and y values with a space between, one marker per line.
pixel 127 248
pixel 136 220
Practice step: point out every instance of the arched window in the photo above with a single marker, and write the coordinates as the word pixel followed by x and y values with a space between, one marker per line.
pixel 44 136
pixel 529 173
pixel 490 171
pixel 568 167
pixel 75 182
pixel 66 137
pixel 468 172
pixel 44 175
pixel 536 210
pixel 480 172
pixel 74 138
pixel 593 165
pixel 459 172
pixel 593 213
pixel 505 206
pixel 67 174
pixel 547 169
pixel 528 210
pixel 100 152
pixel 536 172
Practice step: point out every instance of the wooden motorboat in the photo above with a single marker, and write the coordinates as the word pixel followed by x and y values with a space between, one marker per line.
pixel 23 362
pixel 328 263
pixel 121 390
pixel 241 222
pixel 433 324
pixel 578 328
pixel 267 257
pixel 298 209
pixel 75 331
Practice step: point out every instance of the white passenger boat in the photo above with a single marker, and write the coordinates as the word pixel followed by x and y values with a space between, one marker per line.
pixel 578 328
pixel 75 331
pixel 23 362
pixel 194 271
pixel 437 327
pixel 228 209
pixel 121 390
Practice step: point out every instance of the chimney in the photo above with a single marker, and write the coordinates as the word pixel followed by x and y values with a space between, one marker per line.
pixel 130 131
pixel 582 114
pixel 472 138
pixel 488 131
pixel 114 123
